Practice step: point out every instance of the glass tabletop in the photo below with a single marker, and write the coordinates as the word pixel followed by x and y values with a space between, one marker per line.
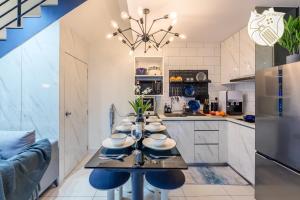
pixel 150 159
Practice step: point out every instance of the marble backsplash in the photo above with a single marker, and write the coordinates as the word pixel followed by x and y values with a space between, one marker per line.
pixel 29 85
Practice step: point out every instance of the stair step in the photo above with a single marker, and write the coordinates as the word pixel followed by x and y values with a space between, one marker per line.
pixel 8 5
pixel 50 3
pixel 36 12
pixel 3 35
pixel 14 25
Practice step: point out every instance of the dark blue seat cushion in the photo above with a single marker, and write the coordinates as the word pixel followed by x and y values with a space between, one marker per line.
pixel 167 180
pixel 106 180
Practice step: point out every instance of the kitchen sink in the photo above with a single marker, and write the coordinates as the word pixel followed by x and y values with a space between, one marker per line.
pixel 175 114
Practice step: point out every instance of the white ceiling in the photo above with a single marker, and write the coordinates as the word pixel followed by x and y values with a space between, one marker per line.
pixel 199 20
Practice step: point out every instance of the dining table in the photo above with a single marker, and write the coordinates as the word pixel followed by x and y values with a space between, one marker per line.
pixel 149 160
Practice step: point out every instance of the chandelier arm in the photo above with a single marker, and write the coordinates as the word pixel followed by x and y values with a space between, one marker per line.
pixel 136 32
pixel 137 21
pixel 135 41
pixel 145 51
pixel 167 32
pixel 126 44
pixel 139 43
pixel 151 41
pixel 145 23
pixel 156 32
pixel 153 22
pixel 154 39
pixel 126 38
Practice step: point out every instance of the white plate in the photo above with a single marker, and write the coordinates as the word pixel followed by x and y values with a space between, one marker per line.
pixel 108 144
pixel 152 129
pixel 153 120
pixel 124 129
pixel 169 144
pixel 129 119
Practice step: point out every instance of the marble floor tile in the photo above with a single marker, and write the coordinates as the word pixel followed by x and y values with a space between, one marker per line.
pixel 242 197
pixel 176 193
pixel 239 190
pixel 75 185
pixel 209 198
pixel 67 198
pixel 203 190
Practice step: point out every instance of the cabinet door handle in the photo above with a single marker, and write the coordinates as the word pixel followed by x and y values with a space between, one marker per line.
pixel 68 114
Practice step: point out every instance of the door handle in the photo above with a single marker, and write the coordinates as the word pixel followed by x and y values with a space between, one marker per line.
pixel 68 114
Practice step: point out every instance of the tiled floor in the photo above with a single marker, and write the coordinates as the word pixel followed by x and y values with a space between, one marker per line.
pixel 76 187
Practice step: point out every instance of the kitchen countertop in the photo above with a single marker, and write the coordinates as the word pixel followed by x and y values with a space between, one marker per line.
pixel 234 119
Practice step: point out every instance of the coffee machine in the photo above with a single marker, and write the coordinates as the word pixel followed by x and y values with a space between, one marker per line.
pixel 231 102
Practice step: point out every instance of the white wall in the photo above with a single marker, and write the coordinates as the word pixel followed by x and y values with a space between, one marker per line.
pixel 110 75
pixel 29 79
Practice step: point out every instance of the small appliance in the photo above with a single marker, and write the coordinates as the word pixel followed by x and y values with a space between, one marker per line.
pixel 231 102
pixel 151 100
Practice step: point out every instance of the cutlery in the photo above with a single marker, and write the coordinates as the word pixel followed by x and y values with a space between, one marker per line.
pixel 158 157
pixel 112 156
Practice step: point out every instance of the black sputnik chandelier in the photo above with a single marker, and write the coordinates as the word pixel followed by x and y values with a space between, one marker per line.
pixel 145 35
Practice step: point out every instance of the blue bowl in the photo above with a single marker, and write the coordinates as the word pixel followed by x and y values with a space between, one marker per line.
pixel 249 118
pixel 194 105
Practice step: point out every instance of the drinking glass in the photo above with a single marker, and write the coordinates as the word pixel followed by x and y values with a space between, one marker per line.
pixel 136 135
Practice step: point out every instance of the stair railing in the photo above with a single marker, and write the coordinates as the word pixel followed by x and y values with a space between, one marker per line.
pixel 20 14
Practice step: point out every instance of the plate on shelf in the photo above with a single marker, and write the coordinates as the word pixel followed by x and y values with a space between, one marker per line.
pixel 169 144
pixel 107 143
pixel 153 120
pixel 154 129
pixel 201 76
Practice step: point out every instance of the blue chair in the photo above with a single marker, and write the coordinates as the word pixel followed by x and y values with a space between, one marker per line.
pixel 165 180
pixel 107 180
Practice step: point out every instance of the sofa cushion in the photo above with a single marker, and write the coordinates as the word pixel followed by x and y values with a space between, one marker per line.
pixel 14 142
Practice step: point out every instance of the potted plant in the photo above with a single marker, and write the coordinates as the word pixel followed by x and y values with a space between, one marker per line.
pixel 138 102
pixel 291 39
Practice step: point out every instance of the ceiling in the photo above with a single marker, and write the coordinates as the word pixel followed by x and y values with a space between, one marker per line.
pixel 199 20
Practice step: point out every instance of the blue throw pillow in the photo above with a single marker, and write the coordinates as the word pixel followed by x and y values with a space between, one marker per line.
pixel 14 142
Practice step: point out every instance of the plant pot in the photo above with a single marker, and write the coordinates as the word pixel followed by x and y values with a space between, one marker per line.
pixel 293 58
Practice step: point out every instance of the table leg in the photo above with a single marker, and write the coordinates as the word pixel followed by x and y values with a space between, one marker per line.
pixel 137 185
pixel 111 194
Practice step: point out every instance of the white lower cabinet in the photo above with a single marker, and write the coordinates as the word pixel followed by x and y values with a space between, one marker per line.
pixel 241 150
pixel 183 133
pixel 207 153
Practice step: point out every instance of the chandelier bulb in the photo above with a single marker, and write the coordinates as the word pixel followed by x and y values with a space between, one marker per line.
pixel 109 36
pixel 140 12
pixel 114 24
pixel 182 36
pixel 130 52
pixel 124 15
pixel 173 15
pixel 171 39
pixel 120 38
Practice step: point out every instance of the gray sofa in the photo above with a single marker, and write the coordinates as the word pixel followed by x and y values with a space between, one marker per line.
pixel 13 142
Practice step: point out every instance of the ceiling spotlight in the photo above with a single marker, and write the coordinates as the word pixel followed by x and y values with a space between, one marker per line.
pixel 124 15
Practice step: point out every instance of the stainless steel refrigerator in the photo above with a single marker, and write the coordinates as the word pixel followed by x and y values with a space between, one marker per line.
pixel 277 171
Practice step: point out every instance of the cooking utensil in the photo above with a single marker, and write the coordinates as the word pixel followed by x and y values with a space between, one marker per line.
pixel 201 76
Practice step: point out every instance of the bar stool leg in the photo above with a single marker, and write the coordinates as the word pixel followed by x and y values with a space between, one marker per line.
pixel 120 193
pixel 164 194
pixel 156 194
pixel 111 194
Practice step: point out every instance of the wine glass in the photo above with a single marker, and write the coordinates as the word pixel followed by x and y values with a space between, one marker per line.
pixel 136 135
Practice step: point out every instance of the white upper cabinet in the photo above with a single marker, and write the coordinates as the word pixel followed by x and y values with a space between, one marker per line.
pixel 247 54
pixel 230 58
pixel 237 56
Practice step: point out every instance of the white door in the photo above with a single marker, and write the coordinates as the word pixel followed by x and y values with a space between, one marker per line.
pixel 76 119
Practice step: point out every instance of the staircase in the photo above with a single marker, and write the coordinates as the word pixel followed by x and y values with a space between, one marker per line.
pixel 22 19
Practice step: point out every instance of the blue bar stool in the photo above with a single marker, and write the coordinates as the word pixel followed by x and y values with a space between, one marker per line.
pixel 166 180
pixel 107 180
